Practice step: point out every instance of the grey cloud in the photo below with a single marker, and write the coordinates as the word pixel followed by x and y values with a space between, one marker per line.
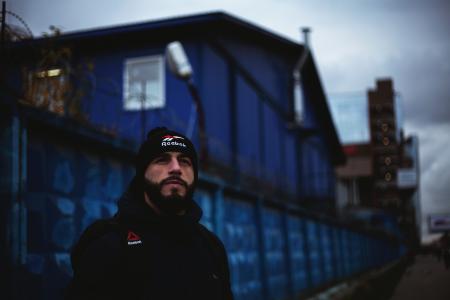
pixel 425 88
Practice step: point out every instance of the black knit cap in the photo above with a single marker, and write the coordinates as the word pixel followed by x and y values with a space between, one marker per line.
pixel 160 140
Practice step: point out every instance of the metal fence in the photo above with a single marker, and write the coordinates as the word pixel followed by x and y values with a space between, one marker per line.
pixel 67 181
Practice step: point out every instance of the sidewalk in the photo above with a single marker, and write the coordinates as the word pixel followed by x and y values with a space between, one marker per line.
pixel 377 284
pixel 426 278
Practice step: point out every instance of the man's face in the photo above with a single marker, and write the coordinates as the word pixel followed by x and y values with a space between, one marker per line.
pixel 173 172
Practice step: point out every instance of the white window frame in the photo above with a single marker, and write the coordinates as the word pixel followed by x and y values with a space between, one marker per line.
pixel 131 103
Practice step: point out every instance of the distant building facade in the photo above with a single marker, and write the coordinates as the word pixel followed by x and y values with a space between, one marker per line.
pixel 378 182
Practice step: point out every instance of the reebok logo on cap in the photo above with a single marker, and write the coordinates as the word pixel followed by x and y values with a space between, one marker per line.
pixel 171 140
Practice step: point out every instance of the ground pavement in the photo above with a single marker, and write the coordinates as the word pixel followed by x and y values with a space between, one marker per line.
pixel 425 279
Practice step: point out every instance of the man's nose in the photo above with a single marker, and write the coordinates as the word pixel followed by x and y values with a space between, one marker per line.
pixel 174 166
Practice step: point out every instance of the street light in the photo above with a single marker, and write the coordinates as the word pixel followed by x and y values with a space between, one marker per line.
pixel 179 66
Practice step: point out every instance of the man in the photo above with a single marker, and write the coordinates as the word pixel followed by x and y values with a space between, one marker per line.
pixel 153 248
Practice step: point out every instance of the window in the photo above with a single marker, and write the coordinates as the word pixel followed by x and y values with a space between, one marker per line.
pixel 144 83
pixel 48 89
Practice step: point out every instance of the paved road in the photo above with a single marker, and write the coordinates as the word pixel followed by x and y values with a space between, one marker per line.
pixel 426 279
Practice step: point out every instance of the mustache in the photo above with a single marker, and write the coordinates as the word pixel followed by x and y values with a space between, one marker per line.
pixel 174 178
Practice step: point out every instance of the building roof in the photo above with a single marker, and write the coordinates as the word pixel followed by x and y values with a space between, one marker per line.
pixel 205 25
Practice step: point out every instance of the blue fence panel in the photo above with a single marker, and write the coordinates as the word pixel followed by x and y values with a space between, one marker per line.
pixel 240 237
pixel 274 245
pixel 204 199
pixel 358 254
pixel 380 256
pixel 314 253
pixel 67 189
pixel 338 254
pixel 354 253
pixel 298 256
pixel 327 251
pixel 373 252
pixel 366 252
pixel 346 246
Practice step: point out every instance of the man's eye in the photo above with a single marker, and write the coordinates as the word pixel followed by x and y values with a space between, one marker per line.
pixel 186 161
pixel 160 160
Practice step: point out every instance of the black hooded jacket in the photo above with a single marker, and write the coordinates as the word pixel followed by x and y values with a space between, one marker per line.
pixel 141 255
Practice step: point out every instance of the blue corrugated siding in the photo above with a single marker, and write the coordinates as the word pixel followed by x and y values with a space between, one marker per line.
pixel 317 173
pixel 314 253
pixel 67 189
pixel 327 252
pixel 104 105
pixel 272 151
pixel 215 94
pixel 290 163
pixel 346 246
pixel 69 186
pixel 274 248
pixel 298 256
pixel 338 253
pixel 241 242
pixel 248 135
pixel 205 200
pixel 270 70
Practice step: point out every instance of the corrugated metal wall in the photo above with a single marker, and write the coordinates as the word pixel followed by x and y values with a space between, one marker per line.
pixel 276 254
pixel 66 184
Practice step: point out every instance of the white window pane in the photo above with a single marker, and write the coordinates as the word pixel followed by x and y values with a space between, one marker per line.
pixel 135 89
pixel 144 83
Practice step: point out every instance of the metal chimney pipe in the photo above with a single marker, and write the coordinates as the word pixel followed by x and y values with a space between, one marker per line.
pixel 306 31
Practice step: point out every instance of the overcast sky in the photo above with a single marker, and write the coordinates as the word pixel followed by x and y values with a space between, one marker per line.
pixel 354 42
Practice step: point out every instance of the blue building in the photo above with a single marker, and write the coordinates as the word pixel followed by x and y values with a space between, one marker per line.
pixel 76 106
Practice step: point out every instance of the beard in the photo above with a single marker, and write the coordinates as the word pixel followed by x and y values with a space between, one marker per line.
pixel 172 204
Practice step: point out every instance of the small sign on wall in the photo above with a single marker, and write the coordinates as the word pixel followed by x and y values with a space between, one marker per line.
pixel 439 223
